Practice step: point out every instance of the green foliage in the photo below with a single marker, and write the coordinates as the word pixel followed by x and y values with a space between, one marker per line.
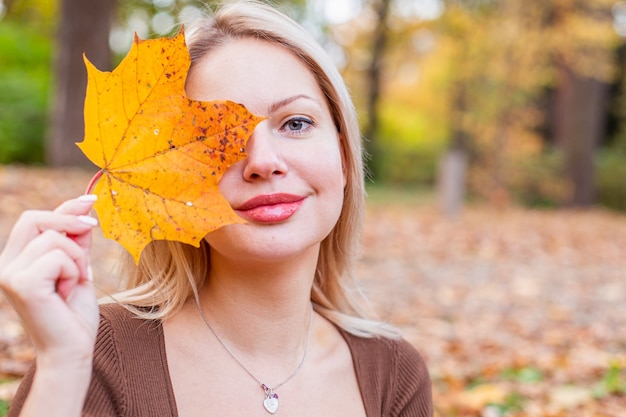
pixel 537 180
pixel 408 195
pixel 40 14
pixel 512 403
pixel 408 165
pixel 611 178
pixel 24 89
pixel 613 382
pixel 410 151
pixel 525 375
pixel 4 408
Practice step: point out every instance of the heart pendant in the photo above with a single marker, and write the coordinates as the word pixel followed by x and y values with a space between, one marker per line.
pixel 271 404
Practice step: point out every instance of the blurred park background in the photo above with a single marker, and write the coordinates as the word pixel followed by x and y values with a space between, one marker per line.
pixel 496 132
pixel 505 101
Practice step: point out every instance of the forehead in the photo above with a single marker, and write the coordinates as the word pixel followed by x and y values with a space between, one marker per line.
pixel 252 72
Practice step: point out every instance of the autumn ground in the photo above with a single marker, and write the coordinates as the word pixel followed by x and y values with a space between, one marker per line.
pixel 517 312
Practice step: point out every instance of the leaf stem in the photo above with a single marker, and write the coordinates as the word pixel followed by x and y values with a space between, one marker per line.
pixel 93 182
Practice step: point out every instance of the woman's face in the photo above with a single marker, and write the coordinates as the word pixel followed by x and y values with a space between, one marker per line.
pixel 290 187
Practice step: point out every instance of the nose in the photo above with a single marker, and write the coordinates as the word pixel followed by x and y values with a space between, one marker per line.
pixel 264 158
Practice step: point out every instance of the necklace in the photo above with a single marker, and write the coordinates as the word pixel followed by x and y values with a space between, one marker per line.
pixel 270 403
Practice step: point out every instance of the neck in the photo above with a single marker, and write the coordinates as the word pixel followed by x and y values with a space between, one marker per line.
pixel 263 309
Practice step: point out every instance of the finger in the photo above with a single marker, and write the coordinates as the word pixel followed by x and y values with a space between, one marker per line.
pixel 80 206
pixel 37 304
pixel 34 284
pixel 69 275
pixel 51 240
pixel 77 206
pixel 84 239
pixel 32 223
pixel 84 302
pixel 66 284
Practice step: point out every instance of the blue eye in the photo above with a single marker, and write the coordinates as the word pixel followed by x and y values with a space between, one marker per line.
pixel 297 124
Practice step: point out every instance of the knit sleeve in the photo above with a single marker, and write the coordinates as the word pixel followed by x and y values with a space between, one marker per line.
pixel 105 393
pixel 392 376
pixel 413 391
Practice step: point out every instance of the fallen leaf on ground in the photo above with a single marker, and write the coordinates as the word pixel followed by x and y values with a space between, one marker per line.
pixel 480 396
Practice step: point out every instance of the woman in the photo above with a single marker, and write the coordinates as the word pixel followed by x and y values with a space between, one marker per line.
pixel 261 318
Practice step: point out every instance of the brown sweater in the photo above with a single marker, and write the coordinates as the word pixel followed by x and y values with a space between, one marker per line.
pixel 131 379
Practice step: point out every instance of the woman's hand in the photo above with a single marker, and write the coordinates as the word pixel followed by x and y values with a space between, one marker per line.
pixel 45 275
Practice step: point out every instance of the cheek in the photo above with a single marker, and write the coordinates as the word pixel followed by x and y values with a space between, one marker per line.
pixel 337 165
pixel 331 179
pixel 228 183
pixel 326 166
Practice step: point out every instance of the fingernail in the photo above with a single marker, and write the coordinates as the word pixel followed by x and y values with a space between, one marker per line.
pixel 88 198
pixel 89 273
pixel 88 220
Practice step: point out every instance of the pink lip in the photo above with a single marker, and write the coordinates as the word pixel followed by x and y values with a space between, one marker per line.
pixel 271 208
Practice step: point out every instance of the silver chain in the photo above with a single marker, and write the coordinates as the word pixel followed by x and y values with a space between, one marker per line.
pixel 232 354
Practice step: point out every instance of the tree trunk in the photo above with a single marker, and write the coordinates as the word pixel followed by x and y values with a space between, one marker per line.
pixel 451 182
pixel 83 28
pixel 374 82
pixel 580 119
pixel 452 175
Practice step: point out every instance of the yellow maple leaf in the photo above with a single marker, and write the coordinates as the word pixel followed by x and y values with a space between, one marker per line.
pixel 161 154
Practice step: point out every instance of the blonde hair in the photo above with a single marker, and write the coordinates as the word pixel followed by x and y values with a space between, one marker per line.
pixel 170 272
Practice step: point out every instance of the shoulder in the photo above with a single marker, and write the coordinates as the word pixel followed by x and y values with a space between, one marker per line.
pixel 393 372
pixel 108 391
pixel 129 350
pixel 125 327
pixel 119 316
pixel 385 354
pixel 124 335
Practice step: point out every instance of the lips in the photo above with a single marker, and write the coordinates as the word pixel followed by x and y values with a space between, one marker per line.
pixel 270 208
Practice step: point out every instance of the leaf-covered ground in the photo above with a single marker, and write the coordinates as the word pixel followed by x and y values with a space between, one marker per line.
pixel 517 312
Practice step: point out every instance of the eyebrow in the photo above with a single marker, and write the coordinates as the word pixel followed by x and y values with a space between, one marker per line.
pixel 282 103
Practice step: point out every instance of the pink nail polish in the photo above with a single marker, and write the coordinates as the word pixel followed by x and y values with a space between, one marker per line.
pixel 88 198
pixel 88 220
